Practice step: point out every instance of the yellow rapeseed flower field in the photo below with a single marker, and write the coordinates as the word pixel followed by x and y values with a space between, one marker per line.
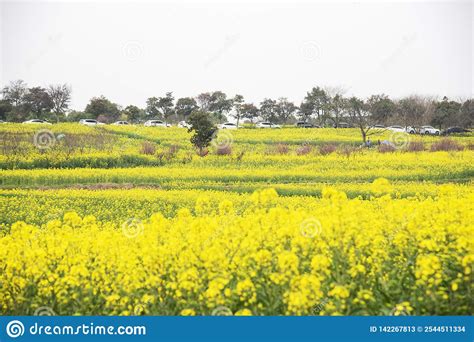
pixel 95 227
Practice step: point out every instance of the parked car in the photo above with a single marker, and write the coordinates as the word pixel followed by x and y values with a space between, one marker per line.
pixel 429 130
pixel 455 130
pixel 156 123
pixel 267 124
pixel 304 124
pixel 396 128
pixel 120 123
pixel 2 122
pixel 37 121
pixel 89 122
pixel 228 125
pixel 184 124
pixel 377 127
pixel 401 129
pixel 343 125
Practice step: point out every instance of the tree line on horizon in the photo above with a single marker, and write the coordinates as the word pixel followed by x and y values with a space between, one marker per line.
pixel 323 106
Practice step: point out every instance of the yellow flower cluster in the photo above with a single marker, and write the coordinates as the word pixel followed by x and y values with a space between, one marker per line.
pixel 382 255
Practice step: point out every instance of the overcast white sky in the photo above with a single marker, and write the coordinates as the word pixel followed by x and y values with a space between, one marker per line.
pixel 130 51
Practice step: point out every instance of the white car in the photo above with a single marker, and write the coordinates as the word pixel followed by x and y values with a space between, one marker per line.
pixel 89 122
pixel 401 129
pixel 228 125
pixel 156 123
pixel 184 124
pixel 396 128
pixel 429 130
pixel 267 124
pixel 37 121
pixel 120 123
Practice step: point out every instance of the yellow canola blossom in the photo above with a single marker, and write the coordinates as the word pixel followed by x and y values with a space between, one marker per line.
pixel 376 256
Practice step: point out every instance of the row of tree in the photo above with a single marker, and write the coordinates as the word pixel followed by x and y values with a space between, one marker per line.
pixel 321 106
pixel 20 103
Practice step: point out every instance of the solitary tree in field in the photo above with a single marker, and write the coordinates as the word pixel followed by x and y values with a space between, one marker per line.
pixel 358 116
pixel 203 128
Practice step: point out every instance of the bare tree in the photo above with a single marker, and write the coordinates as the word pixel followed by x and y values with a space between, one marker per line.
pixel 60 95
pixel 359 116
pixel 15 92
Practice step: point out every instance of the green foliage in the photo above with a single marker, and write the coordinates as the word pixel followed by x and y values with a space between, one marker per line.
pixel 185 106
pixel 203 128
pixel 103 107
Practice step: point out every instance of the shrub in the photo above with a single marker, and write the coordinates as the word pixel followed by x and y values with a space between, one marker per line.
pixel 282 148
pixel 224 150
pixel 386 148
pixel 347 150
pixel 446 144
pixel 303 150
pixel 415 146
pixel 148 148
pixel 327 149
